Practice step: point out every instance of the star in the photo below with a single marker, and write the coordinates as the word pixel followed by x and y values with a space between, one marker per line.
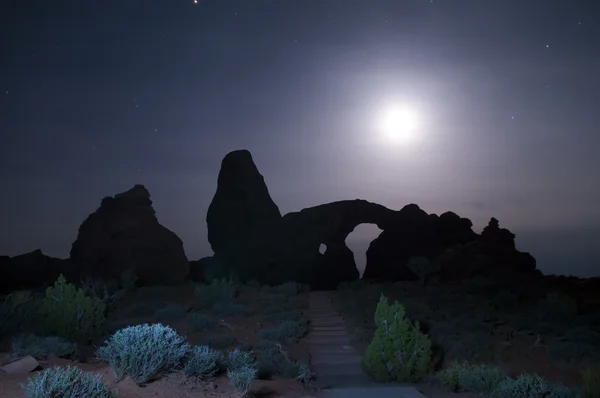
pixel 547 45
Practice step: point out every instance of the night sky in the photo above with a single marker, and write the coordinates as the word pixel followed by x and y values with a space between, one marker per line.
pixel 97 96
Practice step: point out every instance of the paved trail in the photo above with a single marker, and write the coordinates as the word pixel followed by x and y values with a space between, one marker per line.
pixel 335 362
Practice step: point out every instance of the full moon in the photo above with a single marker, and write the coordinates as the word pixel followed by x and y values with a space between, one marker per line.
pixel 398 124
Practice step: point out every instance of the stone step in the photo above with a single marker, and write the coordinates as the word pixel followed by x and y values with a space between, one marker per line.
pixel 323 315
pixel 329 333
pixel 333 349
pixel 371 390
pixel 332 381
pixel 331 341
pixel 334 328
pixel 326 321
pixel 349 369
pixel 318 358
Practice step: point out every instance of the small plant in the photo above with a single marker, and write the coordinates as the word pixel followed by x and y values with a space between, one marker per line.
pixel 399 351
pixel 221 342
pixel 423 268
pixel 241 379
pixel 200 322
pixel 14 310
pixel 461 376
pixel 359 335
pixel 170 312
pixel 128 279
pixel 143 352
pixel 203 362
pixel 109 291
pixel 232 309
pixel 238 359
pixel 219 291
pixel 591 382
pixel 288 289
pixel 71 382
pixel 524 386
pixel 286 331
pixel 69 313
pixel 42 347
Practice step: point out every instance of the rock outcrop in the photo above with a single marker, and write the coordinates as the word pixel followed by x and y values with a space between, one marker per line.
pixel 124 234
pixel 242 219
pixel 330 224
pixel 32 270
pixel 492 254
pixel 252 241
pixel 411 232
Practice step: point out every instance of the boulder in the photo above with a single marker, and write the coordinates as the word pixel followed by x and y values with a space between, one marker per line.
pixel 125 235
pixel 242 219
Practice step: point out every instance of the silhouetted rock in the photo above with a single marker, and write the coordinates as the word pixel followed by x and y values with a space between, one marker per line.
pixel 329 224
pixel 252 241
pixel 242 219
pixel 412 232
pixel 207 269
pixel 32 270
pixel 124 233
pixel 493 255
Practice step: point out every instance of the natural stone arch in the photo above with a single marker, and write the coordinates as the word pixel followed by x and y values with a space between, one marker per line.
pixel 329 224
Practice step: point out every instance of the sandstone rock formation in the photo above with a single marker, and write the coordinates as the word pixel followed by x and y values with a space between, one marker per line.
pixel 252 241
pixel 123 234
pixel 242 219
pixel 32 270
pixel 329 224
pixel 411 232
pixel 492 254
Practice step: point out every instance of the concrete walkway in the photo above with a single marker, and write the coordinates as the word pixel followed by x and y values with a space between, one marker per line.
pixel 335 362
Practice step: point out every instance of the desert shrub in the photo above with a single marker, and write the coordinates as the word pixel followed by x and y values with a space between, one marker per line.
pixel 399 351
pixel 220 342
pixel 461 376
pixel 108 291
pixel 238 359
pixel 288 289
pixel 253 283
pixel 359 335
pixel 128 279
pixel 42 347
pixel 170 312
pixel 303 373
pixel 143 352
pixel 70 314
pixel 232 309
pixel 200 322
pixel 472 347
pixel 557 307
pixel 583 334
pixel 241 379
pixel 203 362
pixel 219 291
pixel 531 386
pixel 286 331
pixel 569 351
pixel 15 309
pixel 71 382
pixel 591 382
pixel 423 268
pixel 354 285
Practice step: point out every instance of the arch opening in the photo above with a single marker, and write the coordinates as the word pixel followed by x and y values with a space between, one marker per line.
pixel 358 242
